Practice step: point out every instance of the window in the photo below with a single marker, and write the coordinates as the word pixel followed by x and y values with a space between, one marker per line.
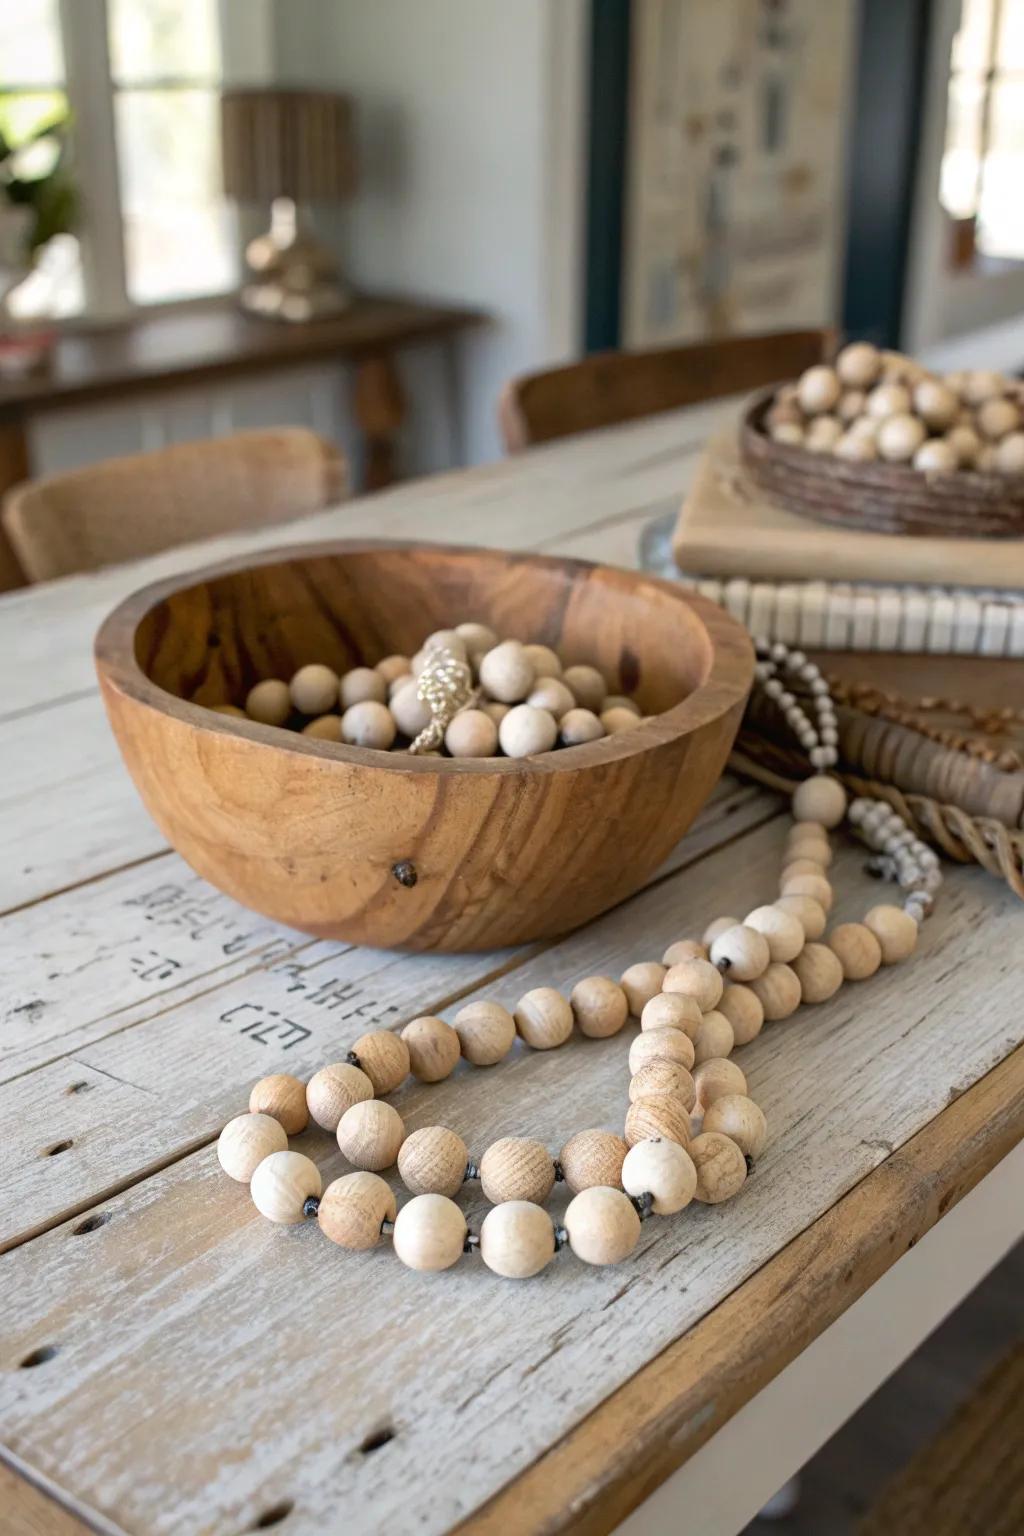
pixel 141 79
pixel 983 162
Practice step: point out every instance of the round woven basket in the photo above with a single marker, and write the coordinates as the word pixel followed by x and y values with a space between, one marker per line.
pixel 885 498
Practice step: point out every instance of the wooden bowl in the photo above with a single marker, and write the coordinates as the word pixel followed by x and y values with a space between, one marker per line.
pixel 884 498
pixel 391 850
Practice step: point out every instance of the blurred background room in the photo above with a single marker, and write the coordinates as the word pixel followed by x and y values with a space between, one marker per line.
pixel 539 179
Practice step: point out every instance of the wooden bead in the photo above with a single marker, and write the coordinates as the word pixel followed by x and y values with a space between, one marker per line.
pixel 714 1078
pixel 714 1038
pixel 661 1045
pixel 672 1010
pixel 721 1167
pixel 719 926
pixel 334 1089
pixel 859 364
pixel 819 973
pixel 660 1115
pixel 820 798
pixel 231 710
pixel 245 1141
pixel 996 418
pixel 543 1018
pixel 370 1134
pixel 393 667
pixel 657 1079
pixel 778 992
pixel 324 728
pixel 857 950
pixel 525 731
pixel 486 1032
pixel 818 389
pixel 641 982
pixel 617 721
pixel 622 701
pixel 742 1008
pixel 814 886
pixel 352 1209
pixel 684 949
pixel 578 726
pixel 269 702
pixel 384 1057
pixel 808 840
pixel 430 1232
pixel 361 685
pixel 592 1157
pixel 369 725
pixel 314 689
pixel 496 711
pixel 740 953
pixel 446 640
pixel 545 661
pixel 517 1239
pixel 281 1185
pixel 810 914
pixel 588 686
pixel 409 712
pixel 433 1160
pixel 600 1006
pixel 738 1117
pixel 506 672
pixel 783 931
pixel 516 1168
pixel 472 733
pixel 662 1169
pixel 698 979
pixel 936 404
pixel 799 867
pixel 895 930
pixel 282 1097
pixel 434 1048
pixel 603 1225
pixel 477 638
pixel 551 694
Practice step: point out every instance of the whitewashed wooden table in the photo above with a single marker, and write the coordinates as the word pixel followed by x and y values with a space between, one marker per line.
pixel 171 1363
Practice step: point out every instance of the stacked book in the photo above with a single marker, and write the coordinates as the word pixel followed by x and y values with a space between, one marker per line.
pixel 813 584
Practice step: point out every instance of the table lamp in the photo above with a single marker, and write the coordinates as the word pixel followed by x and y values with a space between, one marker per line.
pixel 289 148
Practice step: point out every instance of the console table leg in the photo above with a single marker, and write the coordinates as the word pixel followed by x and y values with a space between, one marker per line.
pixel 380 412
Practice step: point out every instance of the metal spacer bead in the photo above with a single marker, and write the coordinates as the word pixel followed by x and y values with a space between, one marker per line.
pixel 643 1204
pixel 561 1238
pixel 352 1059
pixel 311 1205
pixel 559 1171
pixel 472 1172
pixel 472 1242
pixel 387 1227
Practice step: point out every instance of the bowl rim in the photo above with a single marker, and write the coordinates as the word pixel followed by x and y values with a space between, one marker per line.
pixel 727 684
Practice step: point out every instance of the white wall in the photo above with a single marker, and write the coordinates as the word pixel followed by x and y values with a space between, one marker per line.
pixel 939 301
pixel 471 121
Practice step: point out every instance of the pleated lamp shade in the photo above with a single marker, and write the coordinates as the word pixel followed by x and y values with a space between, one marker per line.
pixel 284 143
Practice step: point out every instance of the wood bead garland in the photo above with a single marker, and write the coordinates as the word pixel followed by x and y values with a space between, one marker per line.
pixel 692 1012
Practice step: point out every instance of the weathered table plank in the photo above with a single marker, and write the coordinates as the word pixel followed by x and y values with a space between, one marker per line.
pixel 169 1313
pixel 129 1091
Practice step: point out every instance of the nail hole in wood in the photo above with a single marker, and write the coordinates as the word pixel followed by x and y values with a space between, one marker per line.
pixel 377 1438
pixel 58 1146
pixel 405 872
pixel 273 1516
pixel 90 1223
pixel 38 1356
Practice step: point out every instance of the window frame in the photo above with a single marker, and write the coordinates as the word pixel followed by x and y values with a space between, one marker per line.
pixel 247 55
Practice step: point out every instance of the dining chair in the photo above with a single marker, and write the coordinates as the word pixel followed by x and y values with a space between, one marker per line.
pixel 611 387
pixel 125 508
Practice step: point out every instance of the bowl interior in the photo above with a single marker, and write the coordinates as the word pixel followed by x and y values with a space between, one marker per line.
pixel 211 641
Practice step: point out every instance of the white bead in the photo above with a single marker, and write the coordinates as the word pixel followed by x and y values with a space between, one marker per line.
pixel 820 799
pixel 663 1169
pixel 797 660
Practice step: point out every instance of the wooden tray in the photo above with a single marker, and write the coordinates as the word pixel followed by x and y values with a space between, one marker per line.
pixel 882 498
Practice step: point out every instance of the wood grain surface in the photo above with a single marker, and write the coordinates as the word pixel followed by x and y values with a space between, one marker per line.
pixel 211 1374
